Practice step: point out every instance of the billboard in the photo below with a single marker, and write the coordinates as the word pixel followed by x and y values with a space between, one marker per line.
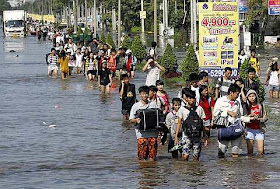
pixel 274 7
pixel 218 37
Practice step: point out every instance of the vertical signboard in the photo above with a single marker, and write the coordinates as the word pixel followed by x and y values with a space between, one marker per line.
pixel 243 6
pixel 274 7
pixel 218 37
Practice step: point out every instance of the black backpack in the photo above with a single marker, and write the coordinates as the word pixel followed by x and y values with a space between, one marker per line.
pixel 193 125
pixel 150 119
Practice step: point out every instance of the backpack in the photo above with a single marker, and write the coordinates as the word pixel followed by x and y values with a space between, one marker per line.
pixel 193 125
pixel 149 119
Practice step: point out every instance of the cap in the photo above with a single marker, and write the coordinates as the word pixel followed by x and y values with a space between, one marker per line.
pixel 128 51
pixel 275 59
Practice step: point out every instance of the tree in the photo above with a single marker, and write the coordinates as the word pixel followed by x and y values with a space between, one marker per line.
pixel 244 74
pixel 110 40
pixel 190 63
pixel 102 37
pixel 126 42
pixel 169 59
pixel 138 48
pixel 4 5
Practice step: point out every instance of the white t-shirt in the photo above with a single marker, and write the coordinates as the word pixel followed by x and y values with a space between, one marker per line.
pixel 183 112
pixel 197 95
pixel 152 75
pixel 273 80
pixel 79 58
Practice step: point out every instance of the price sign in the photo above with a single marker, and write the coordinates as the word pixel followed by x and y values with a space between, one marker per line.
pixel 218 36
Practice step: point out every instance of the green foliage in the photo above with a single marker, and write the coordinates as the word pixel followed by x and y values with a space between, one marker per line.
pixel 189 64
pixel 138 49
pixel 244 73
pixel 4 5
pixel 169 59
pixel 135 29
pixel 110 40
pixel 126 42
pixel 79 30
pixel 102 37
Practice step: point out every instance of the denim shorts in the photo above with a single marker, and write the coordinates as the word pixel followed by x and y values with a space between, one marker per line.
pixel 273 88
pixel 254 134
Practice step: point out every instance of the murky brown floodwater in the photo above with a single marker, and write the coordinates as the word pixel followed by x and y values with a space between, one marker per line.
pixel 91 147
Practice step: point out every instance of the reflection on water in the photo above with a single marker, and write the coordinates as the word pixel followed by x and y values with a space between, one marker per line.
pixel 91 147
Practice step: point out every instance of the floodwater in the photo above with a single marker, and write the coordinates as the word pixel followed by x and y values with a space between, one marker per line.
pixel 91 147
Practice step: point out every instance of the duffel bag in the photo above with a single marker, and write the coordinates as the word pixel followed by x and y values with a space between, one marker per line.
pixel 234 131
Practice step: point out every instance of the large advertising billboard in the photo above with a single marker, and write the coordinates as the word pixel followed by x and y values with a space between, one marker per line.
pixel 218 37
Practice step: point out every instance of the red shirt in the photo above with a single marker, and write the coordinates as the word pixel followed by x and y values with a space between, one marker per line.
pixel 128 65
pixel 255 124
pixel 204 103
pixel 112 65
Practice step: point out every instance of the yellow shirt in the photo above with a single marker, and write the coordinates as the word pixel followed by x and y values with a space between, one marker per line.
pixel 255 64
pixel 64 65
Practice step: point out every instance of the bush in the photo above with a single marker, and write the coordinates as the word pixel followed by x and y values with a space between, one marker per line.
pixel 135 29
pixel 103 38
pixel 190 63
pixel 138 49
pixel 110 40
pixel 243 72
pixel 169 59
pixel 126 42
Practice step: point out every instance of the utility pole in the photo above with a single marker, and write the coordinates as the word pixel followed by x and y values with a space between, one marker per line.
pixel 42 13
pixel 114 28
pixel 86 14
pixel 119 23
pixel 155 20
pixel 166 13
pixel 142 19
pixel 95 19
pixel 175 7
pixel 75 16
pixel 194 23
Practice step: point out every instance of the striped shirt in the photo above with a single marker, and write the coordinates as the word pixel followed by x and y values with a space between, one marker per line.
pixel 52 60
pixel 224 84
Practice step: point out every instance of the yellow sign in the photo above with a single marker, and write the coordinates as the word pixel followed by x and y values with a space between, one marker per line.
pixel 46 18
pixel 143 15
pixel 218 37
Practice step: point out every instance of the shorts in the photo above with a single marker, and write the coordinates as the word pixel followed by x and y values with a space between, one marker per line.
pixel 126 111
pixel 254 134
pixel 147 147
pixel 92 72
pixel 52 68
pixel 273 88
pixel 104 83
pixel 189 145
pixel 235 146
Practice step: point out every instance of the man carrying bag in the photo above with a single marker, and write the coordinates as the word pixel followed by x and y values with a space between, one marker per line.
pixel 227 118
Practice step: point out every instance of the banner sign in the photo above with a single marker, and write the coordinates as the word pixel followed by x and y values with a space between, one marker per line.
pixel 274 7
pixel 143 15
pixel 45 18
pixel 218 37
pixel 243 6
